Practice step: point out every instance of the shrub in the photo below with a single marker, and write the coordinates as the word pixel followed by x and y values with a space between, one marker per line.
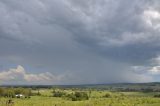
pixel 78 96
pixel 58 94
pixel 11 92
pixel 107 95
pixel 157 95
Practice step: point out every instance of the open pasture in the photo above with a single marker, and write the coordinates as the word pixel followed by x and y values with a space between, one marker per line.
pixel 96 98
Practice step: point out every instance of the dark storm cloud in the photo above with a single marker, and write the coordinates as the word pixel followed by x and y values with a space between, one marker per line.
pixel 118 30
pixel 93 41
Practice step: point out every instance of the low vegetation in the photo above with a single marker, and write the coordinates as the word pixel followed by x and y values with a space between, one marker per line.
pixel 12 92
pixel 77 96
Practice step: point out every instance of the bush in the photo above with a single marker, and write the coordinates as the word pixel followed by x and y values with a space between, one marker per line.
pixel 107 95
pixel 11 92
pixel 157 95
pixel 58 94
pixel 78 96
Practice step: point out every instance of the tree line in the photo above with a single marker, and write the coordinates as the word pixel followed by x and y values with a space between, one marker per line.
pixel 12 92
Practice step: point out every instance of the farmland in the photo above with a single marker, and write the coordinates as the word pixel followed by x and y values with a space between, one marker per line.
pixel 97 95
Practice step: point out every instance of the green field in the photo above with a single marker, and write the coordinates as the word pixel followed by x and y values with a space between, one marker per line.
pixel 96 98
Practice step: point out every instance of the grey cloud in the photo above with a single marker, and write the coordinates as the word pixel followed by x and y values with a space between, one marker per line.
pixel 83 38
pixel 120 31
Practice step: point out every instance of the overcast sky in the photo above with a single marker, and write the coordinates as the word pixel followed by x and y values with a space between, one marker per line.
pixel 79 41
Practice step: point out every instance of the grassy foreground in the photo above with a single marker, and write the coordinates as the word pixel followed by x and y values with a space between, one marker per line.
pixel 97 98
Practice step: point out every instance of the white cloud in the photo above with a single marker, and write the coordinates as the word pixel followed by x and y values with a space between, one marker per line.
pixel 152 18
pixel 148 30
pixel 147 70
pixel 152 69
pixel 12 74
pixel 19 74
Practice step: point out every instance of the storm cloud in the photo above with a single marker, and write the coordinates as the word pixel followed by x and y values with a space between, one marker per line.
pixel 93 41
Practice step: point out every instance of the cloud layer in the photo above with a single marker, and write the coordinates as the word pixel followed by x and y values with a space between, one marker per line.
pixel 91 41
pixel 19 76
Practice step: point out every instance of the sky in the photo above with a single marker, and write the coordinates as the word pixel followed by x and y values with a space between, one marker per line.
pixel 79 41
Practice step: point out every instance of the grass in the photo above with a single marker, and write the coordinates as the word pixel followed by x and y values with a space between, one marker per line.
pixel 96 99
